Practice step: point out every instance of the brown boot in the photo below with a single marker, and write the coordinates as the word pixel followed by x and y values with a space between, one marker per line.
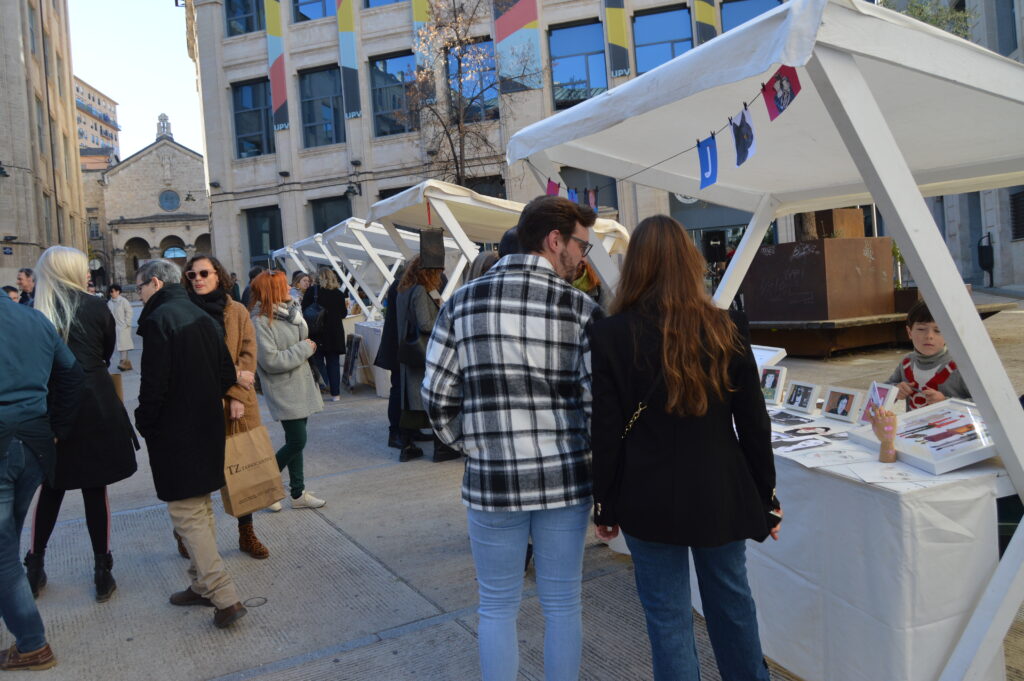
pixel 11 660
pixel 249 543
pixel 126 365
pixel 182 551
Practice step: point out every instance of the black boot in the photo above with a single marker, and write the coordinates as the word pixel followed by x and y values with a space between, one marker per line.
pixel 105 583
pixel 410 452
pixel 36 574
pixel 395 438
pixel 443 452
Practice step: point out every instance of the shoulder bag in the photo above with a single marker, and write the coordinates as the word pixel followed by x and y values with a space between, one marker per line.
pixel 314 315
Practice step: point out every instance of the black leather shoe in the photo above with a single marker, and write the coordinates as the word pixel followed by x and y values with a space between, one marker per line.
pixel 105 583
pixel 189 597
pixel 395 440
pixel 410 452
pixel 445 453
pixel 223 619
pixel 36 573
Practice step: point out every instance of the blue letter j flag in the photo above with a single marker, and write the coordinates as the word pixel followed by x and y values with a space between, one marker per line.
pixel 708 151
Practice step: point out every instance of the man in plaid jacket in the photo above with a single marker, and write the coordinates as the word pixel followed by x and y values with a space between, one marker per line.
pixel 508 383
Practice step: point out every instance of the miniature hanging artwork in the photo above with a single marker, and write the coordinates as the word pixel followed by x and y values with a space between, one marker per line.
pixel 552 188
pixel 780 91
pixel 743 134
pixel 592 198
pixel 573 196
pixel 707 150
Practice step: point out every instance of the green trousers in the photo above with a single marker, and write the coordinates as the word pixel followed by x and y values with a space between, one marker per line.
pixel 290 454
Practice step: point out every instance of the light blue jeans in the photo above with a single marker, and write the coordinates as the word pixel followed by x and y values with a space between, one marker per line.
pixel 499 540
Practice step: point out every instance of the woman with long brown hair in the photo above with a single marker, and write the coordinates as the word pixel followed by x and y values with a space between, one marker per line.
pixel 209 286
pixel 672 375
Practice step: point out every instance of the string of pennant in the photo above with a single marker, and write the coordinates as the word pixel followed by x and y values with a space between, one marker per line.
pixel 777 95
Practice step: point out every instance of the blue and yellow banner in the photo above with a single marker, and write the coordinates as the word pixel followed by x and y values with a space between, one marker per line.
pixel 706 19
pixel 348 58
pixel 617 26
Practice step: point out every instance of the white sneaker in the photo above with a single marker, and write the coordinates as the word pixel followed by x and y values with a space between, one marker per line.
pixel 307 500
pixel 275 507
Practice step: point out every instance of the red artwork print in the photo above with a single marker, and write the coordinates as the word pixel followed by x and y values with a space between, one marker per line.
pixel 779 92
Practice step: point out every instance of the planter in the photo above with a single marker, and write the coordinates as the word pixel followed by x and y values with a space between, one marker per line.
pixel 904 298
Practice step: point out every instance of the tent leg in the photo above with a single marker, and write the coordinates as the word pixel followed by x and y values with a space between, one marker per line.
pixel 871 145
pixel 745 252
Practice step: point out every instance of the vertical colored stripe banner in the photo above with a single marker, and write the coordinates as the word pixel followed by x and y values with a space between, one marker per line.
pixel 420 17
pixel 275 60
pixel 517 44
pixel 617 26
pixel 706 17
pixel 347 57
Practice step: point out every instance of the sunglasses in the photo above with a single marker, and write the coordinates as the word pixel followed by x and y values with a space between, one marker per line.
pixel 585 246
pixel 192 274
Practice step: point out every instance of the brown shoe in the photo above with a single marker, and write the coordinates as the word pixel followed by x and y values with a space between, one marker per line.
pixel 224 618
pixel 189 597
pixel 182 551
pixel 11 660
pixel 125 365
pixel 248 542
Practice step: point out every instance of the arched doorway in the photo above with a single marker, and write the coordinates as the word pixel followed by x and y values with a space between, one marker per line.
pixel 173 248
pixel 203 244
pixel 136 253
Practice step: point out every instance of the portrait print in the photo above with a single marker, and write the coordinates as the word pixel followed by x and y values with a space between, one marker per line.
pixel 842 403
pixel 802 396
pixel 772 380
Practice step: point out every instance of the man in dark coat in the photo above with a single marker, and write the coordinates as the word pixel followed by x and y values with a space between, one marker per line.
pixel 34 357
pixel 186 369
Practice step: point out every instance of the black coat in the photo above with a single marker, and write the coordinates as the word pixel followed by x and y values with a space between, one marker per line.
pixel 387 352
pixel 100 450
pixel 331 338
pixel 686 481
pixel 186 369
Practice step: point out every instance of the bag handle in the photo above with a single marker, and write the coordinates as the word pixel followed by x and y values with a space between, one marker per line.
pixel 641 406
pixel 236 426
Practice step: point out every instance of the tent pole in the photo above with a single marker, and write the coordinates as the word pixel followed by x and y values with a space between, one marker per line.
pixel 345 277
pixel 388 274
pixel 350 267
pixel 468 249
pixel 874 150
pixel 745 251
pixel 295 258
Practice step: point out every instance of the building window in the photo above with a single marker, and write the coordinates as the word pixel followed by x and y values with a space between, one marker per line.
pixel 32 28
pixel 490 185
pixel 47 218
pixel 1006 27
pixel 736 12
pixel 1017 214
pixel 578 70
pixel 67 159
pixel 472 81
pixel 60 75
pixel 329 212
pixel 40 132
pixel 380 3
pixel 264 226
pixel 661 36
pixel 583 180
pixel 390 80
pixel 323 111
pixel 94 227
pixel 243 16
pixel 307 10
pixel 254 130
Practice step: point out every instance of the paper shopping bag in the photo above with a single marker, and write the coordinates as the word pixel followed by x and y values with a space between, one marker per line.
pixel 253 480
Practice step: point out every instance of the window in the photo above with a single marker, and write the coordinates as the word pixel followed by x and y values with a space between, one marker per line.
pixel 1006 27
pixel 736 12
pixel 472 81
pixel 67 159
pixel 490 185
pixel 380 3
pixel 1017 213
pixel 243 16
pixel 254 130
pixel 661 36
pixel 40 133
pixel 323 111
pixel 32 28
pixel 47 218
pixel 578 69
pixel 94 227
pixel 264 226
pixel 390 80
pixel 582 180
pixel 60 76
pixel 305 10
pixel 329 212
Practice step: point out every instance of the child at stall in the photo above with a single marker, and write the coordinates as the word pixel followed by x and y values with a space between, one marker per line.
pixel 928 374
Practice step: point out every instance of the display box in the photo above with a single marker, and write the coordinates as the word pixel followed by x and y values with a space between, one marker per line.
pixel 803 397
pixel 939 438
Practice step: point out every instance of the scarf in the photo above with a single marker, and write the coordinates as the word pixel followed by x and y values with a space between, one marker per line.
pixel 212 303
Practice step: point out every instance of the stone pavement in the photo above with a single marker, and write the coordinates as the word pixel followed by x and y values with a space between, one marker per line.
pixel 376 586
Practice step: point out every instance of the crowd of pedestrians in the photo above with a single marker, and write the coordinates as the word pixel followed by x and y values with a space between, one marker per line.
pixel 570 408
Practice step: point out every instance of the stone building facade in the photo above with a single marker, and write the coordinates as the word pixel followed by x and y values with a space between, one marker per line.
pixel 41 185
pixel 96 118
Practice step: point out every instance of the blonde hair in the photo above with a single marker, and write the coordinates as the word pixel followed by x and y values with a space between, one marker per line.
pixel 60 272
pixel 328 279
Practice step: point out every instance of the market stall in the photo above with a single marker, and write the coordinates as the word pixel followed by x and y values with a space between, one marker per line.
pixel 822 104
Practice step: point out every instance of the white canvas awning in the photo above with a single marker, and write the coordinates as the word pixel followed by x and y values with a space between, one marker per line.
pixel 889 110
pixel 469 218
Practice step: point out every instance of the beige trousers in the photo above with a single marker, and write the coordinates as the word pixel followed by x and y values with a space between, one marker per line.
pixel 193 521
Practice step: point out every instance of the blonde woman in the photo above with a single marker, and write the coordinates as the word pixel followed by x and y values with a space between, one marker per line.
pixel 330 336
pixel 101 447
pixel 121 310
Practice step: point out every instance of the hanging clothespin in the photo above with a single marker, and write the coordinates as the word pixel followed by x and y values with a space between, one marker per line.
pixel 744 106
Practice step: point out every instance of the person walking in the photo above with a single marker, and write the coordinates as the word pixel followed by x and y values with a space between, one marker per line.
pixel 330 337
pixel 36 367
pixel 283 346
pixel 121 310
pixel 416 309
pixel 186 371
pixel 682 452
pixel 209 286
pixel 100 448
pixel 508 382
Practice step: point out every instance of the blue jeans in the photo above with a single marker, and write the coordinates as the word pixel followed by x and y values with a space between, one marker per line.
pixel 329 366
pixel 20 475
pixel 663 584
pixel 499 539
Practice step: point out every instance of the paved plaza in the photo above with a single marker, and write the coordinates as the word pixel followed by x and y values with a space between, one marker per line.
pixel 378 585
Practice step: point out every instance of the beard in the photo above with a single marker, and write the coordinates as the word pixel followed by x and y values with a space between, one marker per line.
pixel 567 269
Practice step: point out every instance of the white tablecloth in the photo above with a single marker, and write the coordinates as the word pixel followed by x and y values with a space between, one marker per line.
pixel 870 584
pixel 379 378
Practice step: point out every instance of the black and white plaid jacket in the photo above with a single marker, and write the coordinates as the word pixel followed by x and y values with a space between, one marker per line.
pixel 508 382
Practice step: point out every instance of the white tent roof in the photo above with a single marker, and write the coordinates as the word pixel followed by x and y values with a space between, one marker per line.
pixel 941 96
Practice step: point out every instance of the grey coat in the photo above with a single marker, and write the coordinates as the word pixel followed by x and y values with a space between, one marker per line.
pixel 121 309
pixel 281 354
pixel 417 302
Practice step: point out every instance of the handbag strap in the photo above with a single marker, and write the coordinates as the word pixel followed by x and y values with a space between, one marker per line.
pixel 641 406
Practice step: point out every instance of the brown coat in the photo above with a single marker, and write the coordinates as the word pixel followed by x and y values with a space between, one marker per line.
pixel 240 337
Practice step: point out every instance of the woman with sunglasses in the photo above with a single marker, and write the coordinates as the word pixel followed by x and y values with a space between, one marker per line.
pixel 209 286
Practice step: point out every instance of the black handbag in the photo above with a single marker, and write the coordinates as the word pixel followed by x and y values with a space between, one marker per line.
pixel 314 315
pixel 410 351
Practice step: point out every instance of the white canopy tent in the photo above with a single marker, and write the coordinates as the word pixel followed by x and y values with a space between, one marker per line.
pixel 467 217
pixel 889 110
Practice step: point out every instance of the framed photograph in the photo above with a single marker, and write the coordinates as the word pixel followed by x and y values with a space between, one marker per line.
pixel 842 404
pixel 766 355
pixel 939 438
pixel 802 397
pixel 879 395
pixel 773 380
